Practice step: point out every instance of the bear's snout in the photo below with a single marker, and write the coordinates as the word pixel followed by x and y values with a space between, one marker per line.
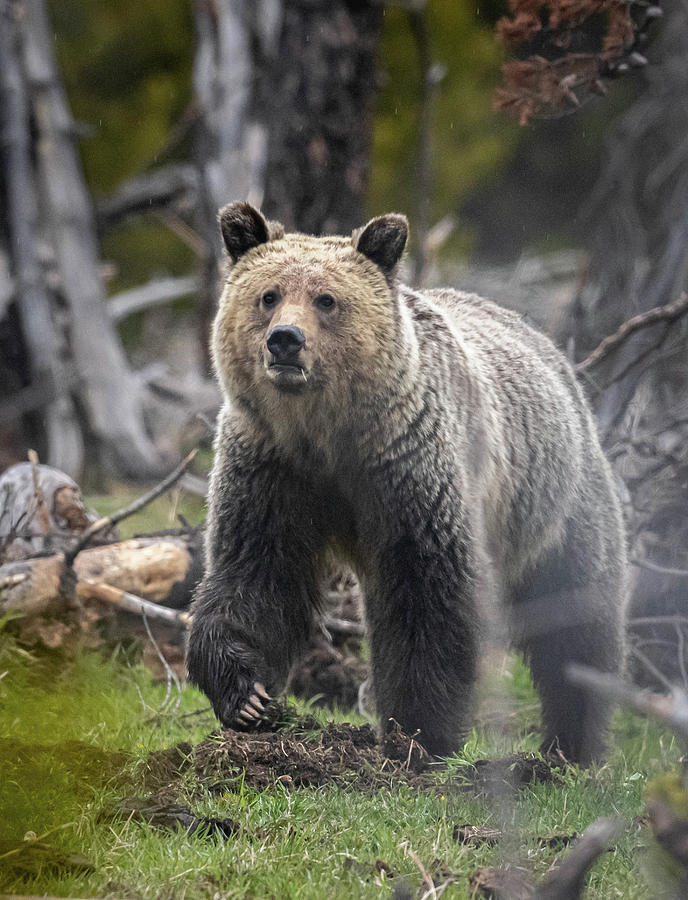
pixel 285 342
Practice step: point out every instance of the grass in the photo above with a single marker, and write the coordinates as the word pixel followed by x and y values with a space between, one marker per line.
pixel 303 843
pixel 75 735
pixel 159 515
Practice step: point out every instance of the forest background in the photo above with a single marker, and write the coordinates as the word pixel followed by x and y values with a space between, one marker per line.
pixel 126 126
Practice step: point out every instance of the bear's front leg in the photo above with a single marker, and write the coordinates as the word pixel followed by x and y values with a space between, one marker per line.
pixel 423 626
pixel 227 664
pixel 253 611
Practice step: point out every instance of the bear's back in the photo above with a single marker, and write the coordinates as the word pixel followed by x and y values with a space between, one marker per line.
pixel 520 404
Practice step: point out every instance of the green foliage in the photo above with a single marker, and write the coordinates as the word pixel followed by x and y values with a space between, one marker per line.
pixel 126 66
pixel 469 142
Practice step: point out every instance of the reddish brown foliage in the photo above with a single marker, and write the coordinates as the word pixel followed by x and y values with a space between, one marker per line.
pixel 564 50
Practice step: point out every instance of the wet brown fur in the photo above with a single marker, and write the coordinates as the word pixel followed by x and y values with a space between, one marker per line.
pixel 440 443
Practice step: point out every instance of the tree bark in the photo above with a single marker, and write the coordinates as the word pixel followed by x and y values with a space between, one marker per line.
pixel 637 227
pixel 638 242
pixel 318 99
pixel 229 142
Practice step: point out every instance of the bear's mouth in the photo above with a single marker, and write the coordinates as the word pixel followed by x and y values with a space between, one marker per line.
pixel 287 376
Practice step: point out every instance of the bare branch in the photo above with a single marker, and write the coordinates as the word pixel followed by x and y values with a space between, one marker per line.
pixel 155 190
pixel 669 708
pixel 667 313
pixel 658 620
pixel 106 593
pixel 154 293
pixel 654 567
pixel 109 521
pixel 39 495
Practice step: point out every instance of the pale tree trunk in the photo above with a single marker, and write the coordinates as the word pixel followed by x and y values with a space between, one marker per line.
pixel 63 440
pixel 78 374
pixel 110 394
pixel 230 141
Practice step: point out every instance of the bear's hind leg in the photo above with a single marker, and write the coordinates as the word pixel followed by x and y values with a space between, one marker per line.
pixel 564 619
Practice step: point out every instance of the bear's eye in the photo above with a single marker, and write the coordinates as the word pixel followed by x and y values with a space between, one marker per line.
pixel 324 301
pixel 270 298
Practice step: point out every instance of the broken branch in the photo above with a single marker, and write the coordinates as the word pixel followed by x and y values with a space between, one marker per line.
pixel 568 880
pixel 89 589
pixel 38 493
pixel 109 521
pixel 670 708
pixel 655 567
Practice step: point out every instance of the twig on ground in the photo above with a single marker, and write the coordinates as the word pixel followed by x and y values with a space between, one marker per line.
pixel 406 846
pixel 171 677
pixel 109 521
pixel 667 313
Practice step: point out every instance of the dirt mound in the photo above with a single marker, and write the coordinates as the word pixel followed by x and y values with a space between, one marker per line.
pixel 514 771
pixel 347 755
pixel 305 755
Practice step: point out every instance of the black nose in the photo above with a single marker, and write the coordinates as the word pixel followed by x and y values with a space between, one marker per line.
pixel 285 341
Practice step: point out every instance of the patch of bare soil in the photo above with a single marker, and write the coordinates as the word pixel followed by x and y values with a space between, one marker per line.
pixel 514 771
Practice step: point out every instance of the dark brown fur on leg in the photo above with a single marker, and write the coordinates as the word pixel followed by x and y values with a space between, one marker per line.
pixel 424 659
pixel 253 611
pixel 571 611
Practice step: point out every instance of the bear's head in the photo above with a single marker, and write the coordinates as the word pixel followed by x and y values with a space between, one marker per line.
pixel 304 316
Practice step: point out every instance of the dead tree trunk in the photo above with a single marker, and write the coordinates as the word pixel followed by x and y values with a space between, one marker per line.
pixel 285 100
pixel 47 372
pixel 638 240
pixel 229 140
pixel 637 224
pixel 77 370
pixel 110 394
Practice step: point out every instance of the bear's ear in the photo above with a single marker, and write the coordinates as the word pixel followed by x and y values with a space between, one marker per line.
pixel 383 240
pixel 243 227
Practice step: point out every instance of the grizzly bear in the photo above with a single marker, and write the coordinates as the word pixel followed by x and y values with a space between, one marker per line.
pixel 441 446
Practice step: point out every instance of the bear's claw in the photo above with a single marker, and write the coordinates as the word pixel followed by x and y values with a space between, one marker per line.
pixel 253 709
pixel 260 690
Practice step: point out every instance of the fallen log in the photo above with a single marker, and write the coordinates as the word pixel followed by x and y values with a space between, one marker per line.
pixel 154 569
